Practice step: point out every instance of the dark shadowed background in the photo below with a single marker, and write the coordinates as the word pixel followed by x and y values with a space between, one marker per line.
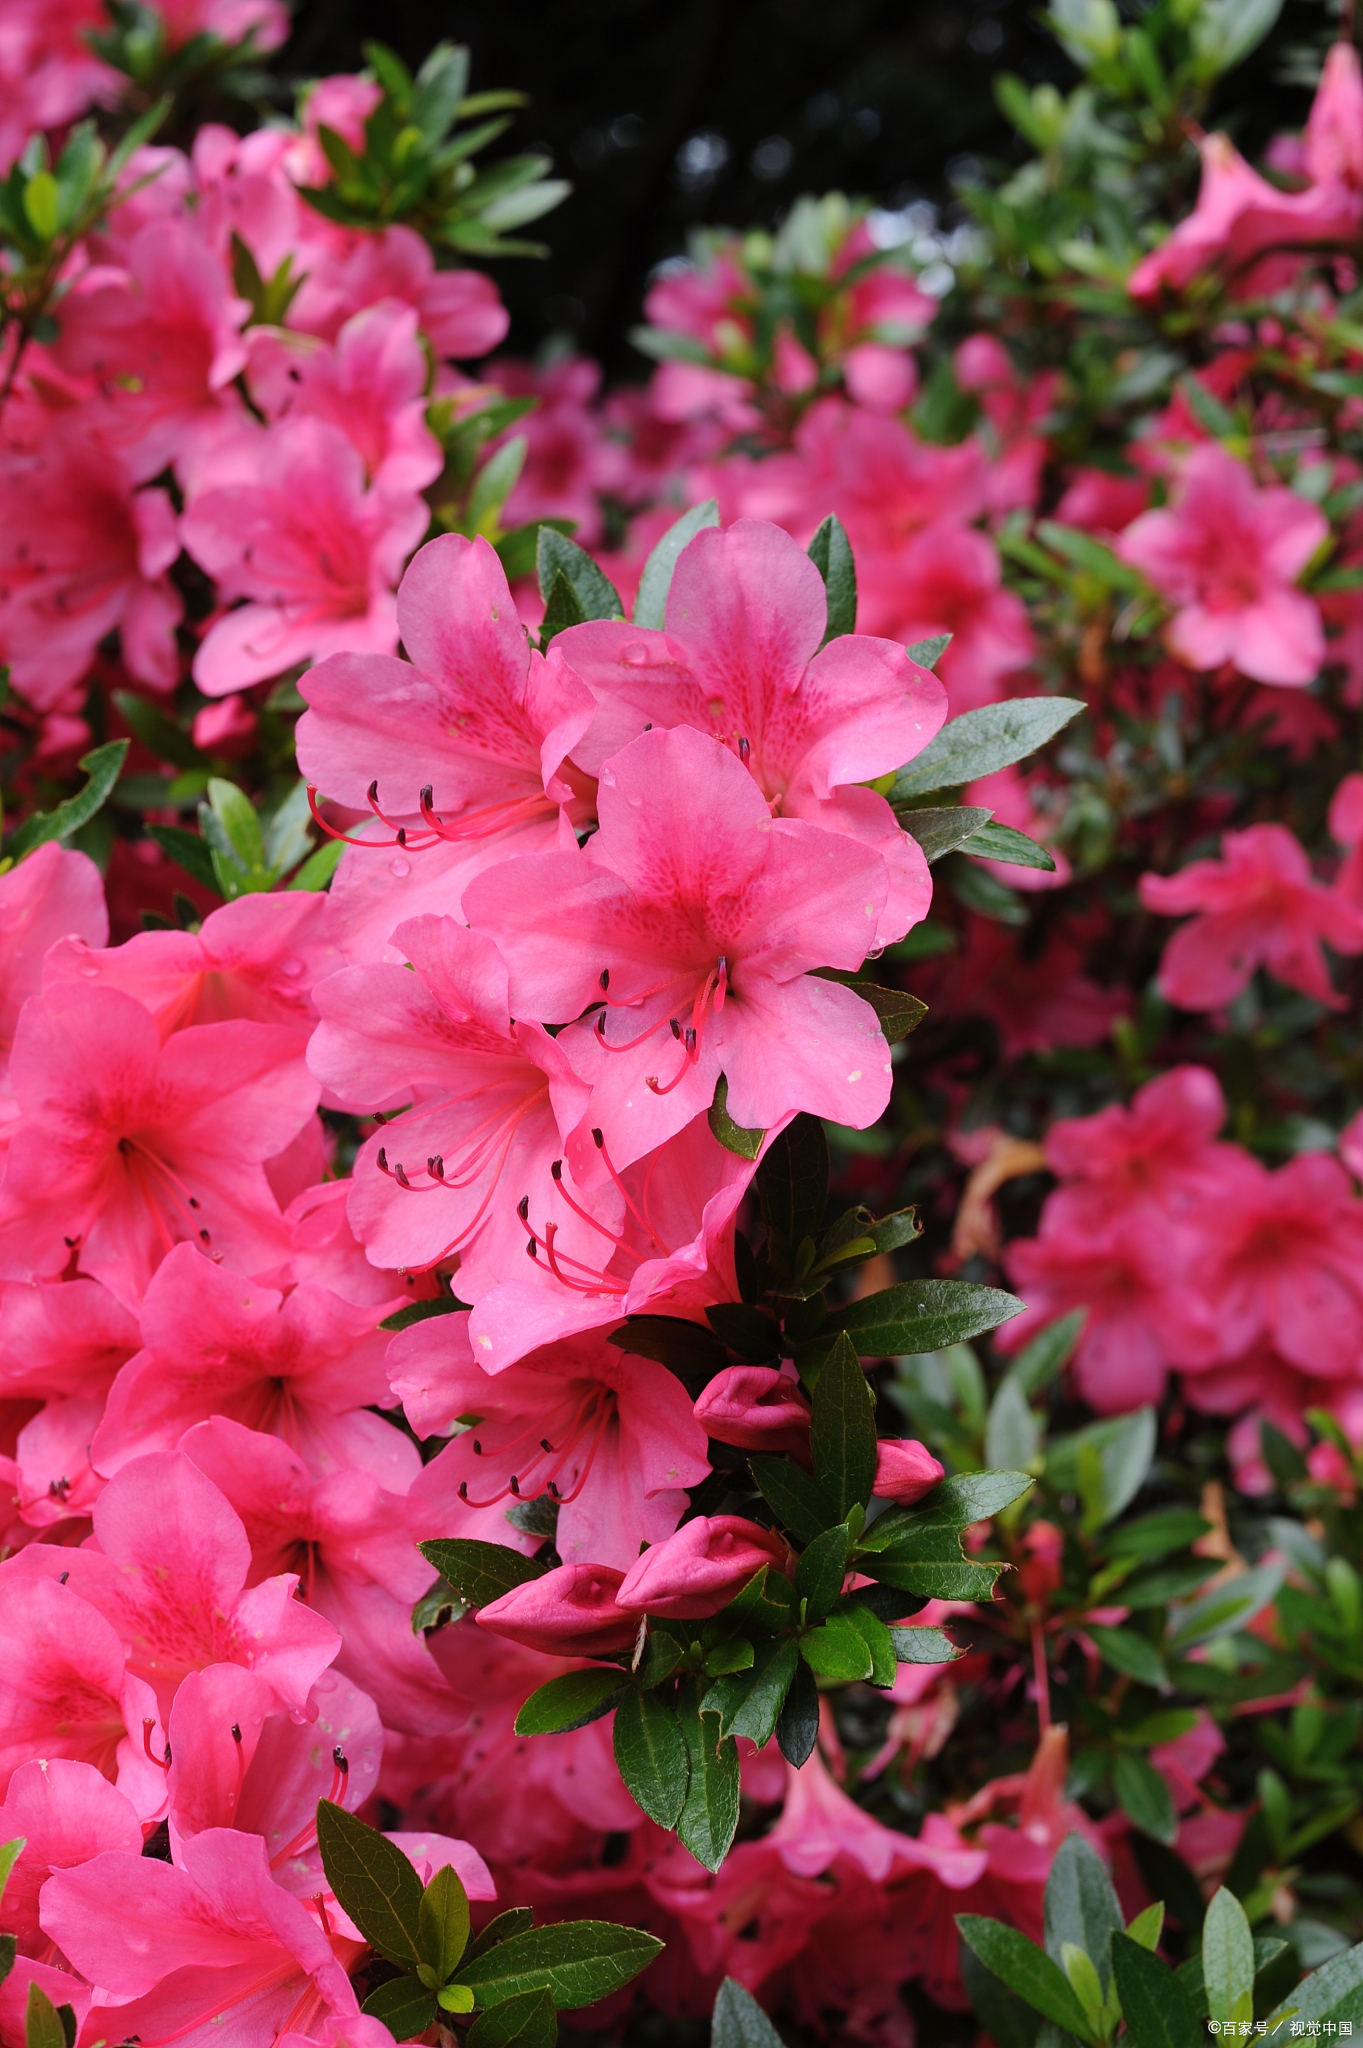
pixel 668 114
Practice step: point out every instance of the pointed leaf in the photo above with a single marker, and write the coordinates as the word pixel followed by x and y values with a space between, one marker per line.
pixel 838 1651
pixel 528 2020
pixel 750 1702
pixel 103 766
pixel 1081 1907
pixel 797 1726
pixel 1334 1992
pixel 792 1187
pixel 821 1571
pixel 1025 1969
pixel 739 2021
pixel 941 830
pixel 794 1496
pixel 1002 842
pixel 831 553
pixel 709 1817
pixel 878 1639
pixel 576 1963
pixel 374 1882
pixel 556 555
pixel 735 1138
pixel 1037 1364
pixel 572 1701
pixel 1157 2009
pixel 443 1922
pixel 1008 2022
pixel 479 1572
pixel 1131 1653
pixel 10 1852
pixel 651 1755
pixel 514 1920
pixel 922 1315
pixel 927 653
pixel 650 604
pixel 1144 1796
pixel 404 2006
pixel 42 2022
pixel 923 1645
pixel 1228 1959
pixel 980 742
pixel 843 1429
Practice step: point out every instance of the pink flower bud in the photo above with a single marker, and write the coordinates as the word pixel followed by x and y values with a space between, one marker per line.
pixel 570 1612
pixel 905 1470
pixel 698 1571
pixel 755 1408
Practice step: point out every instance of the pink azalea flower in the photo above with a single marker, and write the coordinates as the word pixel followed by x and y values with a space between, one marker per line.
pixel 905 1470
pixel 819 1823
pixel 66 1337
pixel 214 1343
pixel 127 1147
pixel 68 1691
pixel 570 1612
pixel 741 659
pixel 345 1535
pixel 670 1252
pixel 51 1472
pixel 462 748
pixel 493 1099
pixel 949 579
pixel 315 555
pixel 558 478
pixel 44 898
pixel 207 1950
pixel 610 1436
pixel 1346 829
pixel 756 1408
pixel 160 341
pixel 371 384
pixel 256 960
pixel 81 554
pixel 266 22
pixel 1225 556
pixel 1333 152
pixel 1157 1158
pixel 1258 906
pixel 65 1812
pixel 684 907
pixel 167 1569
pixel 1239 219
pixel 699 1570
pixel 57 1986
pixel 460 311
pixel 48 73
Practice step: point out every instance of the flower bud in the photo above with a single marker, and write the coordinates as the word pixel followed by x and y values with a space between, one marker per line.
pixel 755 1408
pixel 699 1570
pixel 905 1470
pixel 570 1612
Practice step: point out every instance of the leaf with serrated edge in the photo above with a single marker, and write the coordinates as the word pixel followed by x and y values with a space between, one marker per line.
pixel 651 1756
pixel 373 1881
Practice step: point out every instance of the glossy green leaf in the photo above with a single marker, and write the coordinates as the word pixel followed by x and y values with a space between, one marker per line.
pixel 709 1816
pixel 1002 842
pixel 576 1963
pixel 1008 2021
pixel 739 2021
pixel 794 1496
pixel 443 1922
pixel 837 1651
pixel 373 1880
pixel 749 1702
pixel 878 1639
pixel 980 742
pixel 514 1920
pixel 735 1138
pixel 1081 1907
pixel 1332 1993
pixel 941 830
pixel 1228 1959
pixel 479 1572
pixel 650 604
pixel 821 1570
pixel 922 1315
pixel 527 2020
pixel 651 1755
pixel 831 553
pixel 571 1701
pixel 1157 2009
pixel 556 555
pixel 1025 1969
pixel 843 1429
pixel 797 1725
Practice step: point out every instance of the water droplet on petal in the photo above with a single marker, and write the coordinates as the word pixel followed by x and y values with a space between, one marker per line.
pixel 293 967
pixel 400 866
pixel 90 971
pixel 634 654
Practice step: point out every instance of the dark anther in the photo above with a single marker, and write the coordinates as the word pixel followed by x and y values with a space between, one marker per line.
pixel 374 790
pixel 523 1208
pixel 605 977
pixel 515 1485
pixel 341 1761
pixel 597 1140
pixel 557 1169
pixel 236 1732
pixel 674 1027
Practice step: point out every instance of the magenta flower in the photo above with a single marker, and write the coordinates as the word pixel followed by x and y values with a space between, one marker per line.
pixel 756 1408
pixel 696 914
pixel 46 897
pixel 699 1570
pixel 570 1612
pixel 611 1437
pixel 126 1147
pixel 1284 1265
pixel 1225 556
pixel 1258 906
pixel 741 660
pixel 293 530
pixel 65 1812
pixel 905 1470
pixel 371 384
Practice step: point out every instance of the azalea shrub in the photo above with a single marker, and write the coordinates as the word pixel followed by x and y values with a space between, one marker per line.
pixel 682 1111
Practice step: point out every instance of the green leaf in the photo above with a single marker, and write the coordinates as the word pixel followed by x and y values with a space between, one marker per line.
pixel 479 1572
pixel 1155 1535
pixel 404 2005
pixel 42 2022
pixel 1225 31
pixel 165 739
pixel 1025 1969
pixel 1228 1959
pixel 651 1755
pixel 897 1012
pixel 843 1429
pixel 555 556
pixel 1167 1875
pixel 373 1881
pixel 942 829
pixel 922 1315
pixel 1123 1449
pixel 749 1702
pixel 1008 2022
pixel 1037 1364
pixel 438 1605
pixel 792 1188
pixel 954 1503
pixel 421 1312
pixel 831 553
pixel 102 766
pixel 747 1330
pixel 927 653
pixel 10 1852
pixel 797 1726
pixel 878 1640
pixel 650 603
pixel 42 204
pixel 794 1496
pixel 1174 1582
pixel 690 1350
pixel 1081 1907
pixel 495 482
pixel 739 2021
pixel 576 1963
pixel 1002 842
pixel 709 1817
pixel 980 742
pixel 733 1137
pixel 189 851
pixel 1144 1796
pixel 514 1920
pixel 1013 1433
pixel 1134 1655
pixel 561 611
pixel 1228 1608
pixel 442 1932
pixel 1157 2009
pixel 528 2020
pixel 1090 555
pixel 1148 1926
pixel 1333 1992
pixel 924 1646
pixel 570 1701
pixel 837 1651
pixel 821 1571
